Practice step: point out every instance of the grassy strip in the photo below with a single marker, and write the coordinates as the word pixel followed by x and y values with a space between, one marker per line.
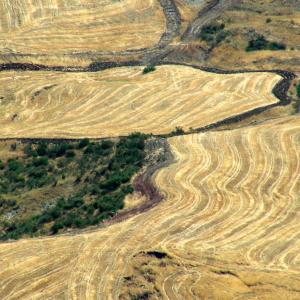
pixel 100 173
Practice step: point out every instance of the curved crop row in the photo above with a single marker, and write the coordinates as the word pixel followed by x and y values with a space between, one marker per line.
pixel 122 100
pixel 229 221
pixel 59 27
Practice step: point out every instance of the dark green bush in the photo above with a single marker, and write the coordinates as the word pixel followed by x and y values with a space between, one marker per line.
pixel 260 43
pixel 83 143
pixel 56 227
pixel 214 33
pixel 42 149
pixel 15 165
pixel 149 69
pixel 70 153
pixel 41 161
pixel 29 151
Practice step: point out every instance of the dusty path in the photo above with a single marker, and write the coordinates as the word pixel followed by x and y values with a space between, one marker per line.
pixel 213 9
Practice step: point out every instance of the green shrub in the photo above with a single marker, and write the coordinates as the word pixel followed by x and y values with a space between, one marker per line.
pixel 149 69
pixel 15 165
pixel 70 153
pixel 214 33
pixel 106 145
pixel 41 161
pixel 79 222
pixel 260 43
pixel 42 149
pixel 58 150
pixel 178 131
pixel 212 28
pixel 7 203
pixel 56 227
pixel 221 36
pixel 298 90
pixel 83 143
pixel 29 151
pixel 37 172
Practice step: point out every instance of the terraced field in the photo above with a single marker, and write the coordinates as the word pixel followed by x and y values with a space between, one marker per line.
pixel 123 100
pixel 59 28
pixel 231 230
pixel 226 222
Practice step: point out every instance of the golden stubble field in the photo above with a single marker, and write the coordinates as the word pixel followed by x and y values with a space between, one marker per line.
pixel 229 224
pixel 49 31
pixel 122 100
pixel 229 221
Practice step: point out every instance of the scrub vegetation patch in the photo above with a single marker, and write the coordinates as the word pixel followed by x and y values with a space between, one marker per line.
pixel 96 174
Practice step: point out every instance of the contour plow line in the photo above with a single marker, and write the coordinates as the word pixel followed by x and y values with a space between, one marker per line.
pixel 118 101
pixel 229 222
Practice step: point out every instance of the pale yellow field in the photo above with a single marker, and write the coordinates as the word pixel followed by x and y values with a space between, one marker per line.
pixel 229 222
pixel 68 26
pixel 122 100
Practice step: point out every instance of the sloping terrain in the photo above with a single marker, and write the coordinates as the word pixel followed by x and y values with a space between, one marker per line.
pixel 219 219
pixel 228 228
pixel 60 28
pixel 276 20
pixel 122 100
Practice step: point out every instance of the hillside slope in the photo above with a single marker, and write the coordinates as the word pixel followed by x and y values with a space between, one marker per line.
pixel 119 101
pixel 231 230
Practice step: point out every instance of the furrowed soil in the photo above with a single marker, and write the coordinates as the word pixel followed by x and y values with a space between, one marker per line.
pixel 119 101
pixel 215 213
pixel 213 237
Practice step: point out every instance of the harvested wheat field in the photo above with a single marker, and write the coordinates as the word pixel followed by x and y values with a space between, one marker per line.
pixel 227 229
pixel 67 26
pixel 122 100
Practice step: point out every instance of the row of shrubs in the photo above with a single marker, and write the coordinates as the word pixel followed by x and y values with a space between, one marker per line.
pixel 104 171
pixel 260 43
pixel 215 33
